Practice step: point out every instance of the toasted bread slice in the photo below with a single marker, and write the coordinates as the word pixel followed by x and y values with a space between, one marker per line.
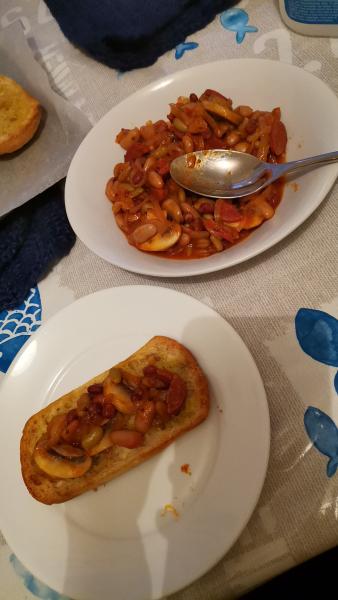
pixel 20 115
pixel 169 356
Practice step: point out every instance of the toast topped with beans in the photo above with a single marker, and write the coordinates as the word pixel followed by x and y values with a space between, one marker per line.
pixel 113 422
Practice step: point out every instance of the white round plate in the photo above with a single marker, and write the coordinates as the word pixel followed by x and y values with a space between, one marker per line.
pixel 119 542
pixel 309 111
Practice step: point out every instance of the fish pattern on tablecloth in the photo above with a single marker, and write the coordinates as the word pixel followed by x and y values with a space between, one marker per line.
pixel 317 335
pixel 236 20
pixel 17 325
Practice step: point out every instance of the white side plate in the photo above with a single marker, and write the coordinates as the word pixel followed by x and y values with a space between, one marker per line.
pixel 117 542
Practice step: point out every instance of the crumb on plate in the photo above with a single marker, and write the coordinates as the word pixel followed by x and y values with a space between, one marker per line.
pixel 169 508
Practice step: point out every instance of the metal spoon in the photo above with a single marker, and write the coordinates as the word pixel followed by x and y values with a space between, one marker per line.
pixel 231 174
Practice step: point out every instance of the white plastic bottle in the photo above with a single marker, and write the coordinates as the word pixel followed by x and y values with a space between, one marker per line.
pixel 311 17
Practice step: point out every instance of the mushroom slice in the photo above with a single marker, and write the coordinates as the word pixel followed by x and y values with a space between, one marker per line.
pixel 68 451
pixel 103 444
pixel 58 467
pixel 119 396
pixel 130 379
pixel 162 242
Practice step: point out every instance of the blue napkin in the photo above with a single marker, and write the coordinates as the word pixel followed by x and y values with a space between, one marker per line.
pixel 129 34
pixel 33 238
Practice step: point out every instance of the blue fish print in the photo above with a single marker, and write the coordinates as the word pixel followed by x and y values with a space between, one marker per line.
pixel 17 325
pixel 236 20
pixel 323 432
pixel 182 48
pixel 32 584
pixel 317 334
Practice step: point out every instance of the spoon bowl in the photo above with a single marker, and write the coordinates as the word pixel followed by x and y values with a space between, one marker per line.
pixel 230 174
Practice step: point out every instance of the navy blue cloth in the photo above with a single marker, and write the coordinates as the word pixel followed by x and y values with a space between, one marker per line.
pixel 33 238
pixel 129 34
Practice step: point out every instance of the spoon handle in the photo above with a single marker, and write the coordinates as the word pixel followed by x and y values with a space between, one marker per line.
pixel 311 161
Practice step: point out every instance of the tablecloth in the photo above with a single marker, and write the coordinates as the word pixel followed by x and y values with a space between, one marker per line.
pixel 296 516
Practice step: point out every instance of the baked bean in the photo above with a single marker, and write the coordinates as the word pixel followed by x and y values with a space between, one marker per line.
pixel 196 234
pixel 278 138
pixel 149 164
pixel 266 210
pixel 95 388
pixel 179 125
pixel 202 243
pixel 137 177
pixel 188 209
pixel 245 111
pixel 117 207
pixel 173 210
pixel 232 138
pixel 204 206
pixel 93 411
pixel 188 144
pixel 72 432
pixel 98 399
pixel 251 126
pixel 217 243
pixel 242 147
pixel 181 195
pixel 155 180
pixel 108 410
pixel 184 239
pixel 120 220
pixel 145 416
pixel 188 218
pixel 202 252
pixel 110 189
pixel 126 438
pixel 143 233
pixel 176 395
pixel 128 137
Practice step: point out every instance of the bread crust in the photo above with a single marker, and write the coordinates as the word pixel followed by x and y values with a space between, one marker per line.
pixel 20 116
pixel 114 461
